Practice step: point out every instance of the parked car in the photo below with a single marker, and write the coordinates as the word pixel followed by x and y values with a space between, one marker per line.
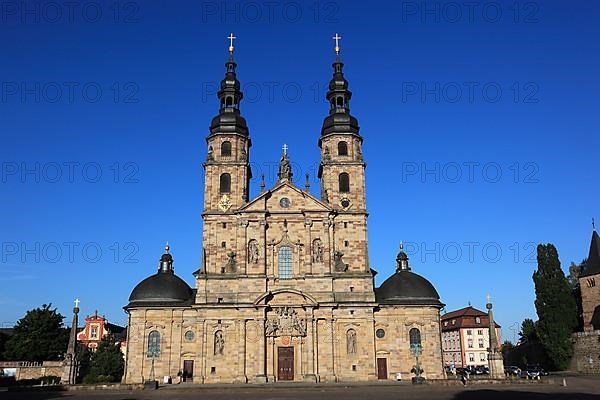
pixel 512 370
pixel 534 372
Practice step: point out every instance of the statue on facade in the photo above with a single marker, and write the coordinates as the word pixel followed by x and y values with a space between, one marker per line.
pixel 231 265
pixel 351 341
pixel 219 343
pixel 339 264
pixel 285 168
pixel 317 251
pixel 252 252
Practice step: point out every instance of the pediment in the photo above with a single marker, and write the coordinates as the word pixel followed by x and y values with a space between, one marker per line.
pixel 297 201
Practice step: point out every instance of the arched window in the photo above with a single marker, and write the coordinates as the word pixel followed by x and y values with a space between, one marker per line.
pixel 344 182
pixel 154 344
pixel 340 102
pixel 228 101
pixel 414 336
pixel 225 183
pixel 342 149
pixel 285 262
pixel 226 149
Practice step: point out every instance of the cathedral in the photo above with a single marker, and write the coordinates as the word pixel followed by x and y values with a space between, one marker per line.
pixel 285 291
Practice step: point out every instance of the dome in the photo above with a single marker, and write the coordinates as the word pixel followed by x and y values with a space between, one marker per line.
pixel 406 287
pixel 339 122
pixel 229 122
pixel 162 287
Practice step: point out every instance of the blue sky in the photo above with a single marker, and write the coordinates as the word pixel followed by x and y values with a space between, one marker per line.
pixel 480 126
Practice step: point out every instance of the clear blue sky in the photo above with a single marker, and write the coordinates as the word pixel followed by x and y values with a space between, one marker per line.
pixel 447 97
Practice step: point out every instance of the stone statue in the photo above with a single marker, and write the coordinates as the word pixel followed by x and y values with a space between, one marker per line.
pixel 243 155
pixel 326 155
pixel 285 169
pixel 359 155
pixel 219 343
pixel 351 341
pixel 339 265
pixel 252 251
pixel 317 251
pixel 231 265
pixel 271 327
pixel 209 155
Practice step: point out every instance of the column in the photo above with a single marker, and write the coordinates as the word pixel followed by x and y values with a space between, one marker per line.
pixel 309 259
pixel 261 377
pixel 242 352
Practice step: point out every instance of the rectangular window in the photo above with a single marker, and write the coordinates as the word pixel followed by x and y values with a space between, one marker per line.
pixel 480 332
pixel 285 262
pixel 481 343
pixel 471 357
pixel 469 332
pixel 470 343
pixel 481 356
pixel 94 332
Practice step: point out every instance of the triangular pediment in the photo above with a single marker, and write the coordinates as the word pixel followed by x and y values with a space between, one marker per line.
pixel 285 197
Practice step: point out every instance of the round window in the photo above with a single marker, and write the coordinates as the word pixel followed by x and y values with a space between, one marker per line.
pixel 284 202
pixel 380 333
pixel 189 336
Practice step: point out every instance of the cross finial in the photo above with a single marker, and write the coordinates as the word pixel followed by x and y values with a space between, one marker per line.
pixel 489 298
pixel 337 44
pixel 285 149
pixel 593 223
pixel 167 247
pixel 77 303
pixel 231 37
pixel 401 246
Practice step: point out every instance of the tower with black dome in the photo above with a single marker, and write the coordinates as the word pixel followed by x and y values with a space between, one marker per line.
pixel 227 167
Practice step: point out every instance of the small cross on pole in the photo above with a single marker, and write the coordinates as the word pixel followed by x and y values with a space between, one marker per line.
pixel 231 37
pixel 285 148
pixel 489 298
pixel 593 223
pixel 77 303
pixel 337 43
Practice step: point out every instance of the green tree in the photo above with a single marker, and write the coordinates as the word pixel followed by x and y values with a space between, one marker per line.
pixel 528 331
pixel 555 305
pixel 3 339
pixel 39 336
pixel 107 363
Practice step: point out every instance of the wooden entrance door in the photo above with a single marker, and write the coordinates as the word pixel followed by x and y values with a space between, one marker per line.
pixel 188 370
pixel 285 363
pixel 382 368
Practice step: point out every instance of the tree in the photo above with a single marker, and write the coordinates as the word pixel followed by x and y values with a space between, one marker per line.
pixel 555 307
pixel 107 363
pixel 3 339
pixel 39 336
pixel 528 331
pixel 574 272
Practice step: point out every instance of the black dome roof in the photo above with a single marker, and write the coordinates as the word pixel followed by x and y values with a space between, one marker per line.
pixel 162 287
pixel 406 287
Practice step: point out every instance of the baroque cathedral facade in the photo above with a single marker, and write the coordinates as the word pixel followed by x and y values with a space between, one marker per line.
pixel 285 290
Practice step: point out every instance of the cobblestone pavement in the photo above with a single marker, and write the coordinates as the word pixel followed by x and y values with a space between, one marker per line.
pixel 578 388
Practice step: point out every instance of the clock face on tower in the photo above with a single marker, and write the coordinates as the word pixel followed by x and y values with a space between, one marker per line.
pixel 345 203
pixel 224 203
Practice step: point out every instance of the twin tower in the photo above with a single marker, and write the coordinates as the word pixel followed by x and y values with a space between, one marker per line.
pixel 227 166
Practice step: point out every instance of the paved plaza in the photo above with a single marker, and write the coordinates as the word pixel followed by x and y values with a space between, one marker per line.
pixel 584 388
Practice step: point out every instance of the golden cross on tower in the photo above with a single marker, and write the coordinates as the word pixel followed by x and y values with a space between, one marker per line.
pixel 231 37
pixel 285 149
pixel 77 303
pixel 337 44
